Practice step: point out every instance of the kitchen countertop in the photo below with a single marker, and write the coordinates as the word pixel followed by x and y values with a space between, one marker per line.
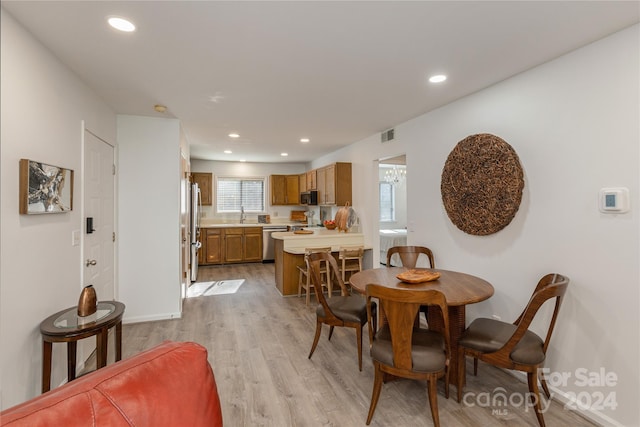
pixel 300 251
pixel 321 237
pixel 318 233
pixel 232 225
pixel 249 224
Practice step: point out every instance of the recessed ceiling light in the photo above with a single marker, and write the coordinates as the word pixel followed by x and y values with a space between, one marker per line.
pixel 304 140
pixel 160 108
pixel 438 78
pixel 284 154
pixel 228 151
pixel 242 160
pixel 234 135
pixel 121 24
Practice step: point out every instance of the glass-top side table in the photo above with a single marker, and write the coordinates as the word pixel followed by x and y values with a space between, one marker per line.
pixel 66 326
pixel 70 318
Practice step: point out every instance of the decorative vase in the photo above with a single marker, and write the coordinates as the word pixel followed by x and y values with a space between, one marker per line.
pixel 88 302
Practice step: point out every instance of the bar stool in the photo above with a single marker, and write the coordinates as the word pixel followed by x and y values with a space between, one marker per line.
pixel 304 278
pixel 350 260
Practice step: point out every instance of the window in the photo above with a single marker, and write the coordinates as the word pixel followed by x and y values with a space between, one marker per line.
pixel 387 202
pixel 235 193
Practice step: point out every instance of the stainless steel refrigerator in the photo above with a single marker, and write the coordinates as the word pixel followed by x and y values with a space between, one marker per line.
pixel 196 207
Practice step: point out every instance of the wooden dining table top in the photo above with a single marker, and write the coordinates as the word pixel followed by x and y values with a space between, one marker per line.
pixel 458 288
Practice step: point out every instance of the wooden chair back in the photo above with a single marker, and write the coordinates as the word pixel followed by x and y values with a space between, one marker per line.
pixel 315 260
pixel 350 259
pixel 309 251
pixel 550 286
pixel 400 307
pixel 351 253
pixel 409 255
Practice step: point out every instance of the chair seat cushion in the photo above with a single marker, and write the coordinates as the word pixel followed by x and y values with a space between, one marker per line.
pixel 427 349
pixel 352 308
pixel 489 335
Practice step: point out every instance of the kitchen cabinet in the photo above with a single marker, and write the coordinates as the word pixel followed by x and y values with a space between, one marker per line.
pixel 211 248
pixel 205 182
pixel 311 180
pixel 302 180
pixel 334 184
pixel 321 186
pixel 285 190
pixel 228 245
pixel 233 244
pixel 252 249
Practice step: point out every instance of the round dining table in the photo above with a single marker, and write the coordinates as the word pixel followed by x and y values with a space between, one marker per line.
pixel 458 288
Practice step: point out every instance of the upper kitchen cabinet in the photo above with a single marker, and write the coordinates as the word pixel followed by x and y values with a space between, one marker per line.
pixel 311 180
pixel 302 179
pixel 285 190
pixel 334 184
pixel 205 182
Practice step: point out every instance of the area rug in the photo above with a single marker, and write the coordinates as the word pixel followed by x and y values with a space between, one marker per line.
pixel 220 287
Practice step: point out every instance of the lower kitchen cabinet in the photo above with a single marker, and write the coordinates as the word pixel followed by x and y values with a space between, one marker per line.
pixel 212 246
pixel 231 245
pixel 252 250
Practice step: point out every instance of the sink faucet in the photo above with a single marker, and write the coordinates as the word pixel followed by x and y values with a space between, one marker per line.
pixel 241 214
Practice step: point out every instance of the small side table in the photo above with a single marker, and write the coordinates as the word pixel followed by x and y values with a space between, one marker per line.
pixel 64 326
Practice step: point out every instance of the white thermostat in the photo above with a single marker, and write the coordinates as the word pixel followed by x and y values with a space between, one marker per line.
pixel 614 200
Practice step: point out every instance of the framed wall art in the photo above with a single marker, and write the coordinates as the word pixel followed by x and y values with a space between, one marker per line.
pixel 45 188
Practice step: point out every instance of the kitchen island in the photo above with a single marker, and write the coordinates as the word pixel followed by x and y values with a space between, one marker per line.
pixel 289 253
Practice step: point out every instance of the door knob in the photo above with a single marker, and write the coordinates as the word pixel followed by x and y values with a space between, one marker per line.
pixel 91 262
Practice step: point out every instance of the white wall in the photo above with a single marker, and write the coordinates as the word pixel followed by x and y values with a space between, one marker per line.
pixel 248 169
pixel 574 123
pixel 149 218
pixel 42 108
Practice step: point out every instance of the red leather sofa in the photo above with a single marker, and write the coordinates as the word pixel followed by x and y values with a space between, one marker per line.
pixel 169 385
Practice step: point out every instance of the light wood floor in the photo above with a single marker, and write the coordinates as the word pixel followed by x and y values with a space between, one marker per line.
pixel 258 344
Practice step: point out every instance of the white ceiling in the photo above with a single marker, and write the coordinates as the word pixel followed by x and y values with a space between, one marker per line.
pixel 333 71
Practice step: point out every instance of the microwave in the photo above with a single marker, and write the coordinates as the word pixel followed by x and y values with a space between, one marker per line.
pixel 309 198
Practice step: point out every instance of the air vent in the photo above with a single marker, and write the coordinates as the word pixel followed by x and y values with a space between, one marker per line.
pixel 387 135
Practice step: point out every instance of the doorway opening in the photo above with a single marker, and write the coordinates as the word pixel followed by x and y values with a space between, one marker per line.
pixel 392 209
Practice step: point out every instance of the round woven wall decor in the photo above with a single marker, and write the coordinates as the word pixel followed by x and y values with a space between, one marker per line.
pixel 482 184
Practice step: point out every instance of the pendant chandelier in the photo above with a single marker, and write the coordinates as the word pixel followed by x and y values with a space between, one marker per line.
pixel 395 176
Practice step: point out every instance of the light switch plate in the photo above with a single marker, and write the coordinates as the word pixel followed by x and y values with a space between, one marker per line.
pixel 75 237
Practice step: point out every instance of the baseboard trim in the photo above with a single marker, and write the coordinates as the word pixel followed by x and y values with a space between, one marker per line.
pixel 151 318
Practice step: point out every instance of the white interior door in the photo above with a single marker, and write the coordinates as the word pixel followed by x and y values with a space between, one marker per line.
pixel 98 244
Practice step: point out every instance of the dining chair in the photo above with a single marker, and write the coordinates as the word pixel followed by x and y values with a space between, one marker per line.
pixel 344 310
pixel 409 256
pixel 512 345
pixel 402 350
pixel 304 279
pixel 350 259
